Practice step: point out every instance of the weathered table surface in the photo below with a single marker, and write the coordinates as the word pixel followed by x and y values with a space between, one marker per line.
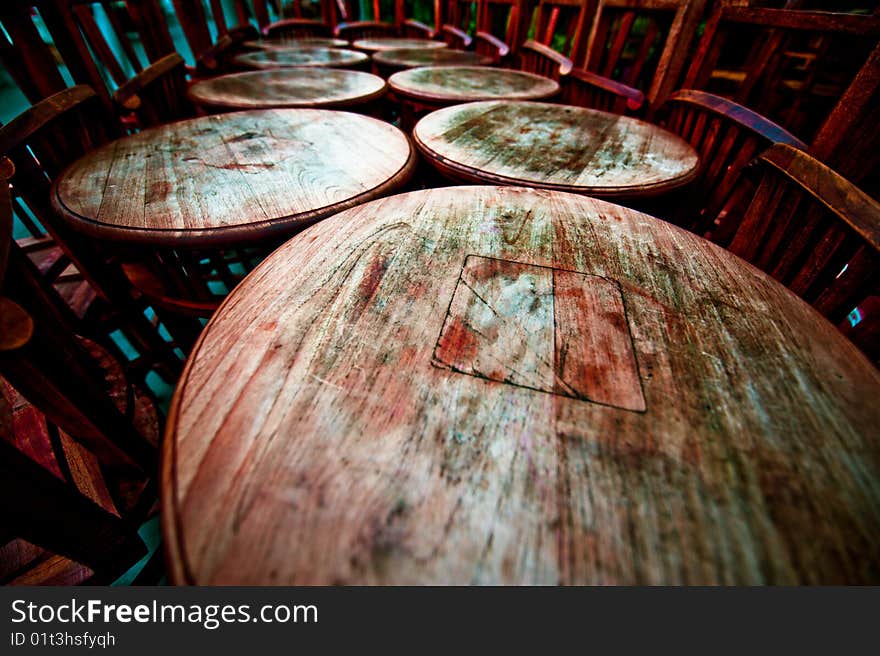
pixel 394 43
pixel 281 43
pixel 232 178
pixel 301 57
pixel 459 84
pixel 506 385
pixel 287 87
pixel 415 57
pixel 556 147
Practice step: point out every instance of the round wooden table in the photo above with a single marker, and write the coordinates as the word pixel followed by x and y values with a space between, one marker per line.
pixel 425 89
pixel 512 386
pixel 281 43
pixel 379 44
pixel 301 57
pixel 555 147
pixel 232 178
pixel 447 85
pixel 287 87
pixel 404 58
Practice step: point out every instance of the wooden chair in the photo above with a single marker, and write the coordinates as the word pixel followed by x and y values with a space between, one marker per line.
pixel 563 25
pixel 81 42
pixel 815 232
pixel 404 13
pixel 816 73
pixel 641 43
pixel 62 462
pixel 727 136
pixel 34 148
pixel 158 94
pixel 501 21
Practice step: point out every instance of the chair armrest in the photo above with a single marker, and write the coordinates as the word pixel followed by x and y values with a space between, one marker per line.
pixel 456 35
pixel 738 114
pixel 419 28
pixel 564 63
pixel 502 48
pixel 633 98
pixel 127 95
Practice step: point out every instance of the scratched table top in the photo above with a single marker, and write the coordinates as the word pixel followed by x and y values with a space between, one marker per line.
pixel 395 43
pixel 301 57
pixel 556 147
pixel 461 84
pixel 414 57
pixel 287 87
pixel 503 385
pixel 288 43
pixel 232 178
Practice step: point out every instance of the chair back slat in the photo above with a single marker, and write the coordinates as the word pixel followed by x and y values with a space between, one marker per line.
pixel 563 25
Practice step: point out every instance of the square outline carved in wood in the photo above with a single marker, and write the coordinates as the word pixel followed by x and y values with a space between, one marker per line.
pixel 541 328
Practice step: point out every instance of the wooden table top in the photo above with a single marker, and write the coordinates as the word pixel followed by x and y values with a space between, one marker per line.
pixel 460 84
pixel 287 87
pixel 555 147
pixel 287 43
pixel 415 57
pixel 395 43
pixel 232 178
pixel 301 57
pixel 507 385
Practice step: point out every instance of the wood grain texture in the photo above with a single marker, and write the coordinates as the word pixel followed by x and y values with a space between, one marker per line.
pixel 379 44
pixel 301 57
pixel 414 57
pixel 232 178
pixel 291 43
pixel 287 87
pixel 315 438
pixel 555 147
pixel 458 84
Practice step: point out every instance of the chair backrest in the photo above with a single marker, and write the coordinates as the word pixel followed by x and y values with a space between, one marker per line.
pixel 92 37
pixel 793 66
pixel 563 25
pixel 815 232
pixel 157 94
pixel 506 20
pixel 642 43
pixel 727 136
pixel 460 14
pixel 419 18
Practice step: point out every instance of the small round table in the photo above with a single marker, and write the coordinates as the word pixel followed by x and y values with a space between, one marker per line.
pixel 232 178
pixel 301 57
pixel 500 385
pixel 428 88
pixel 555 147
pixel 398 60
pixel 287 87
pixel 289 43
pixel 379 44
